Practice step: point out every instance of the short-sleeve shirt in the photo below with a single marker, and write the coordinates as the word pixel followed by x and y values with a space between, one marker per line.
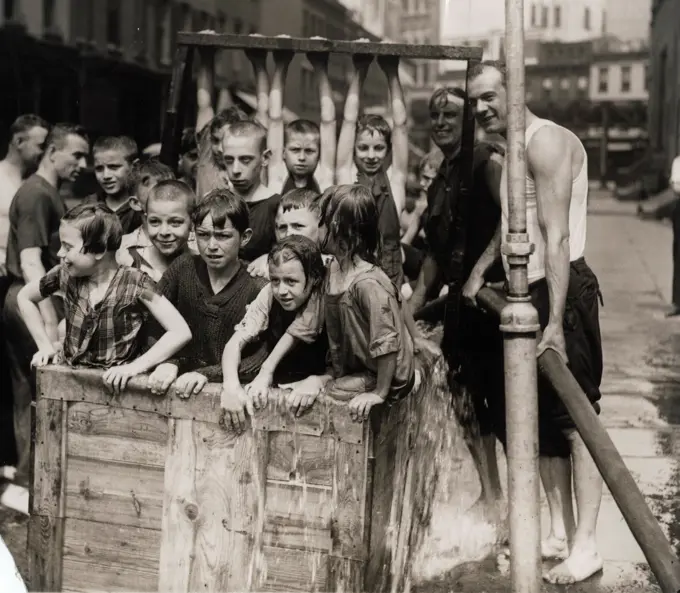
pixel 108 333
pixel 34 218
pixel 130 219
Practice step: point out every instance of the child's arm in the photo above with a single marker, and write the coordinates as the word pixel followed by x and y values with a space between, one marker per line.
pixel 390 66
pixel 177 335
pixel 258 388
pixel 258 59
pixel 345 156
pixel 27 300
pixel 205 84
pixel 275 131
pixel 325 173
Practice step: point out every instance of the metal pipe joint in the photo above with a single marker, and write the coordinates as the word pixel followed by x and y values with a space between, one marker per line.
pixel 519 317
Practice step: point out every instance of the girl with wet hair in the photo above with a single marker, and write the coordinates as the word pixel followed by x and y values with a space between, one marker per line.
pixel 286 318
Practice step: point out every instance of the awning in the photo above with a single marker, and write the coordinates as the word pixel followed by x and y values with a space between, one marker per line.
pixel 251 101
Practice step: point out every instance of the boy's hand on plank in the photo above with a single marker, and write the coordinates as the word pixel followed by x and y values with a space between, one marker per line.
pixel 190 384
pixel 258 390
pixel 361 405
pixel 298 402
pixel 43 357
pixel 235 402
pixel 116 378
pixel 162 377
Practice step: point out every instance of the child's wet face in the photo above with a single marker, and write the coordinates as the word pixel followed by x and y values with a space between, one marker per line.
pixel 168 225
pixel 297 221
pixel 78 264
pixel 112 171
pixel 243 159
pixel 370 152
pixel 218 247
pixel 301 154
pixel 289 284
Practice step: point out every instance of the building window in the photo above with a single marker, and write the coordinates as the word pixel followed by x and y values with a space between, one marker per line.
pixel 8 11
pixel 140 26
pixel 533 15
pixel 186 18
pixel 113 24
pixel 564 84
pixel 625 79
pixel 582 83
pixel 48 14
pixel 221 23
pixel 603 80
pixel 586 19
pixel 163 32
pixel 544 17
pixel 238 26
pixel 646 77
pixel 558 17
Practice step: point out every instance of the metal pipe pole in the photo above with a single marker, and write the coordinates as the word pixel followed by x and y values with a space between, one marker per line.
pixel 519 324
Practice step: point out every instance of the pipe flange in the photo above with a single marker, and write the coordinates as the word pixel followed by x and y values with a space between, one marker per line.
pixel 519 317
pixel 517 249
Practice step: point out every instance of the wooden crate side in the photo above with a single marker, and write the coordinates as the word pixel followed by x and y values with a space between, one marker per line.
pixel 211 506
pixel 117 493
pixel 116 548
pixel 89 577
pixel 293 570
pixel 301 458
pixel 345 575
pixel 106 421
pixel 45 532
pixel 86 385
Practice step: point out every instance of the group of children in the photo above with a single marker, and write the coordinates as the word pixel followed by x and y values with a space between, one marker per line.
pixel 271 275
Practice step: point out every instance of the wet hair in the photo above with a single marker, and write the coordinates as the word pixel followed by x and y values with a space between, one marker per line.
pixel 149 171
pixel 123 144
pixel 251 129
pixel 172 190
pixel 299 198
pixel 304 250
pixel 188 142
pixel 302 127
pixel 479 68
pixel 25 123
pixel 60 132
pixel 99 226
pixel 222 204
pixel 350 216
pixel 432 159
pixel 374 123
pixel 440 97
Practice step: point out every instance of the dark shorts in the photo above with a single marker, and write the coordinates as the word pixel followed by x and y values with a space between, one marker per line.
pixel 413 261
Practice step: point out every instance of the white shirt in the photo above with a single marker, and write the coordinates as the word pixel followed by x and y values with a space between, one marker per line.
pixel 675 175
pixel 578 210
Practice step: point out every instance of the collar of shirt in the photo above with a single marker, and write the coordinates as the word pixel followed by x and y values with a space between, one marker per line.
pixel 137 238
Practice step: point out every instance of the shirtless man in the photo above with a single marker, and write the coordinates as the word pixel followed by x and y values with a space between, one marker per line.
pixel 565 292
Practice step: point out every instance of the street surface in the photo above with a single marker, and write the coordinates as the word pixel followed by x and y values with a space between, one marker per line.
pixel 641 402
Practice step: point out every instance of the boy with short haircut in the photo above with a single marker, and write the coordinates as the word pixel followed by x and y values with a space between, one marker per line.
pixel 166 229
pixel 364 146
pixel 106 304
pixel 245 157
pixel 113 161
pixel 298 214
pixel 302 152
pixel 211 290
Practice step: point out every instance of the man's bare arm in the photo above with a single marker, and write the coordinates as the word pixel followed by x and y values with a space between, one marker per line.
pixel 33 270
pixel 550 162
pixel 327 127
pixel 345 156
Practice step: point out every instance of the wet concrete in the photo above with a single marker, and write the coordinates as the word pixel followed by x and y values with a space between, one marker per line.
pixel 640 404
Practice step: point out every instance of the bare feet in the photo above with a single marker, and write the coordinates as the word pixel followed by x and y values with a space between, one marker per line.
pixel 578 567
pixel 554 548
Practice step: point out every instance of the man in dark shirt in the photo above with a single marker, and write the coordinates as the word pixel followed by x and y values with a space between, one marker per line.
pixel 32 250
pixel 474 347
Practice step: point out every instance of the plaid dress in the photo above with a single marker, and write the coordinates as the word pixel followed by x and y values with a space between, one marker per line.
pixel 108 333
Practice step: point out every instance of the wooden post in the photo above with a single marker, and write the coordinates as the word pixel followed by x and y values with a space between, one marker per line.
pixel 519 323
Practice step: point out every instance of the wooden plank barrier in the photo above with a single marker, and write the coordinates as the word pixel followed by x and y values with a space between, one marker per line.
pixel 143 493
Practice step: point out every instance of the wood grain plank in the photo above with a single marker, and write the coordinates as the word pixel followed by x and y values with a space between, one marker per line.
pixel 300 503
pixel 226 496
pixel 180 510
pixel 45 532
pixel 294 570
pixel 134 548
pixel 97 420
pixel 116 449
pixel 349 501
pixel 345 575
pixel 74 385
pixel 88 577
pixel 301 458
pixel 261 453
pixel 117 493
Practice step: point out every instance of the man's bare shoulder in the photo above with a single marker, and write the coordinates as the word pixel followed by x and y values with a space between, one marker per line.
pixel 549 147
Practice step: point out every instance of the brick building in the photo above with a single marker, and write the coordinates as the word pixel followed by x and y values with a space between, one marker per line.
pixel 664 92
